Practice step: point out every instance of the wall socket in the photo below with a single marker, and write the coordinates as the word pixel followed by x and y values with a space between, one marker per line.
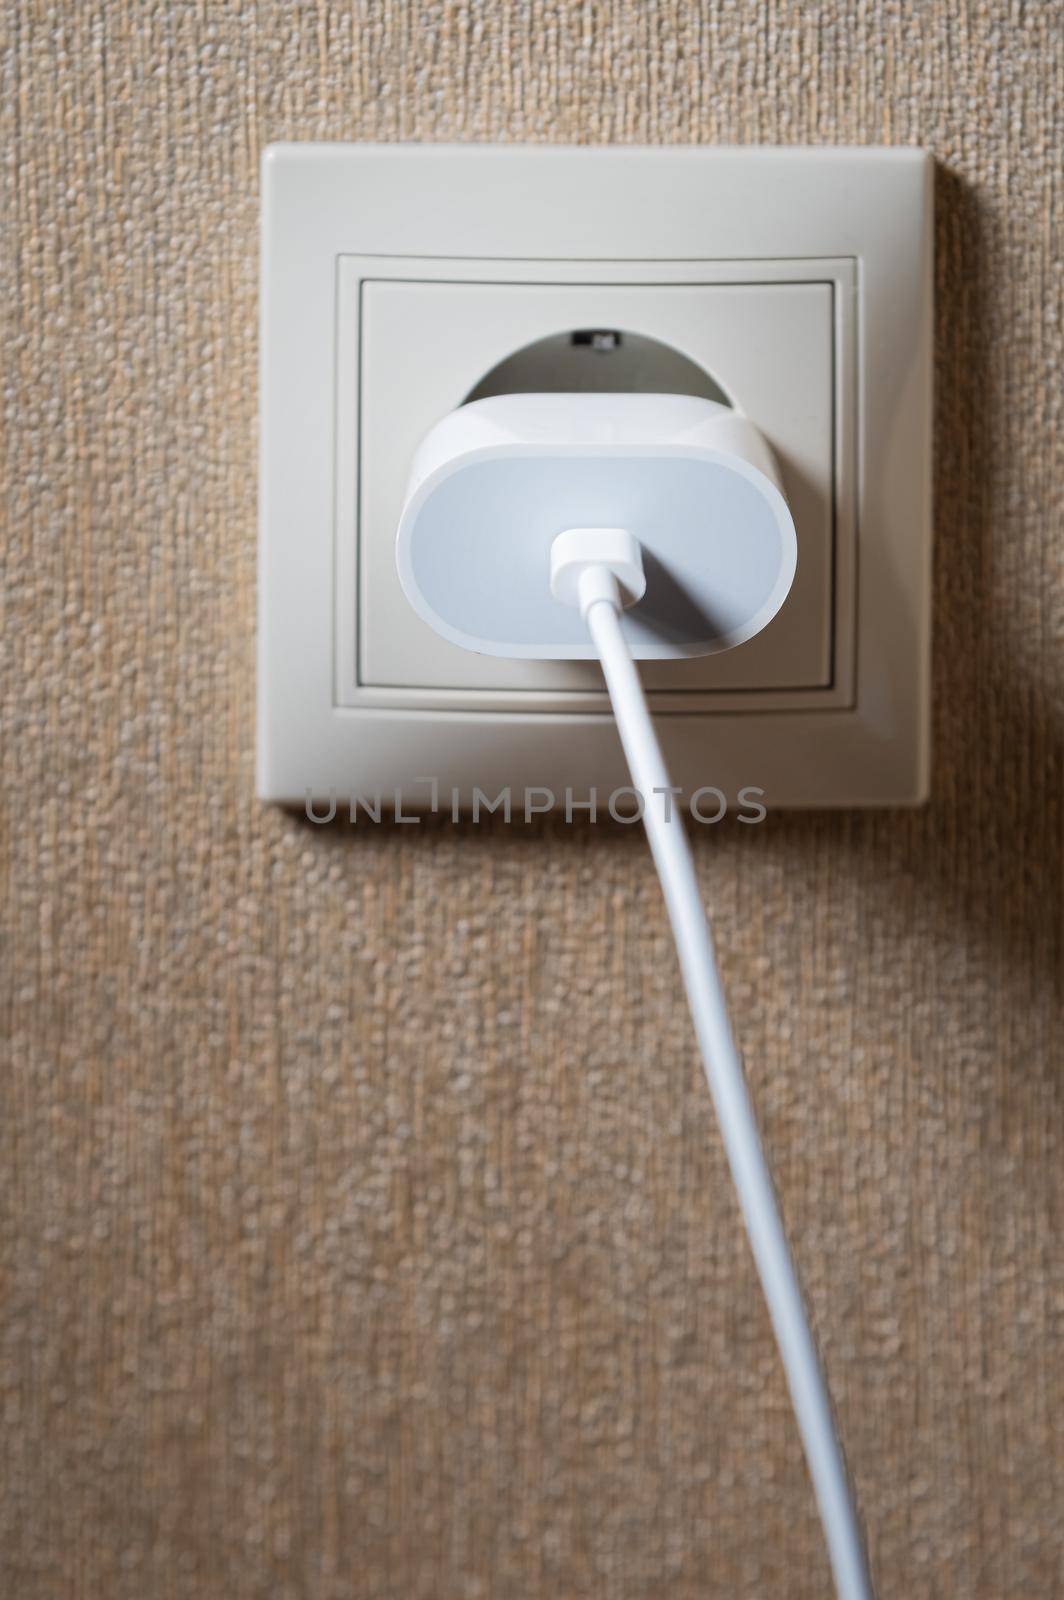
pixel 397 280
pixel 768 342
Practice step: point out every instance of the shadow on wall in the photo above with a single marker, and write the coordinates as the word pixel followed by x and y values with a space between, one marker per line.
pixel 989 848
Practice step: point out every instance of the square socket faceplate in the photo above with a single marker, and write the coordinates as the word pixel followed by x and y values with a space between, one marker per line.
pixel 396 278
pixel 777 339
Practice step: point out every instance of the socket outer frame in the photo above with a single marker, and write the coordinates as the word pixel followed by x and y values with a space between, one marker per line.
pixel 669 207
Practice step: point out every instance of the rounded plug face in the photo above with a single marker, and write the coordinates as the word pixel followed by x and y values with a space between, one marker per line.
pixel 689 482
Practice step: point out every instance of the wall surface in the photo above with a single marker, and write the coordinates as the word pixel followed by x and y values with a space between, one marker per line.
pixel 364 1229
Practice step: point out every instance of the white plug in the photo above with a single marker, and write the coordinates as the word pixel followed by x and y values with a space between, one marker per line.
pixel 695 483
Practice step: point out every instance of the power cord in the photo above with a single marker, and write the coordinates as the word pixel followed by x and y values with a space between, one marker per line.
pixel 600 570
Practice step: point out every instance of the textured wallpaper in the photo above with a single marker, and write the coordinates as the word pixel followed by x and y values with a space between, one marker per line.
pixel 364 1231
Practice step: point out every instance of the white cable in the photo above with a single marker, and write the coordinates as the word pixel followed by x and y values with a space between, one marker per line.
pixel 599 598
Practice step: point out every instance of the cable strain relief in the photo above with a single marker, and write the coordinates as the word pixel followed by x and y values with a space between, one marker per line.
pixel 597 584
pixel 591 564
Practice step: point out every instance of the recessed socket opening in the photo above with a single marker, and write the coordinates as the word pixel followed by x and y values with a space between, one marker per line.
pixel 598 361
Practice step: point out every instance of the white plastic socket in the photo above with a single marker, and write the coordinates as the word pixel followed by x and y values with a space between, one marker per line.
pixel 768 347
pixel 396 278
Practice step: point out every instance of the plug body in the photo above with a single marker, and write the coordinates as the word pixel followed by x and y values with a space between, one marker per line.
pixel 694 483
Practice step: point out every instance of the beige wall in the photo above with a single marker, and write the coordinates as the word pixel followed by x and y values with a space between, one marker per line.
pixel 364 1229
